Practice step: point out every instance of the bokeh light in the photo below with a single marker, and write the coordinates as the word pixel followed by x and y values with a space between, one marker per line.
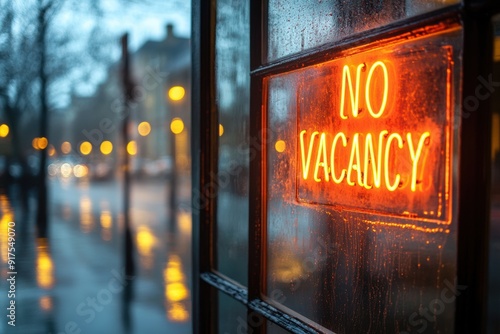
pixel 176 93
pixel 4 130
pixel 144 128
pixel 85 148
pixel 177 125
pixel 66 147
pixel 106 147
pixel 132 147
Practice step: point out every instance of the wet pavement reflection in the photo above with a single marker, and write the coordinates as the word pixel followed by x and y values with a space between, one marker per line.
pixel 74 280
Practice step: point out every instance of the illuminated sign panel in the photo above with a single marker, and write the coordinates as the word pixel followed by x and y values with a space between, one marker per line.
pixel 374 132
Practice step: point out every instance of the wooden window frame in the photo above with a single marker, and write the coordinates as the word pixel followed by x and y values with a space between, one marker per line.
pixel 474 204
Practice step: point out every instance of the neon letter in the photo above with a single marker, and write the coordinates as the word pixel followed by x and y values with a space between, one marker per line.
pixel 386 89
pixel 321 149
pixel 376 165
pixel 306 163
pixel 332 156
pixel 387 152
pixel 415 156
pixel 357 166
pixel 346 76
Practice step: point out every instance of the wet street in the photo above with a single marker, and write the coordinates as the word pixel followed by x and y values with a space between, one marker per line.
pixel 74 280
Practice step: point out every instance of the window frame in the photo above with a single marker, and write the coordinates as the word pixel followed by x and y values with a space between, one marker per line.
pixel 473 201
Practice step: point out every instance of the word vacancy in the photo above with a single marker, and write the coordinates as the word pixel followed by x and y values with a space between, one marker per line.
pixel 370 156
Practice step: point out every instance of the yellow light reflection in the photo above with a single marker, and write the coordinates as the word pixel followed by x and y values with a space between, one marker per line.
pixel 4 130
pixel 106 223
pixel 177 313
pixel 44 265
pixel 45 303
pixel 221 130
pixel 86 218
pixel 66 170
pixel 176 93
pixel 85 148
pixel 146 242
pixel 52 150
pixel 34 143
pixel 177 125
pixel 144 128
pixel 106 147
pixel 42 143
pixel 280 146
pixel 66 147
pixel 132 147
pixel 176 291
pixel 8 216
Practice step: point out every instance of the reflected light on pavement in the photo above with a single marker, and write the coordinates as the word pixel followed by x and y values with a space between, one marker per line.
pixel 44 265
pixel 176 291
pixel 7 216
pixel 146 241
pixel 45 303
pixel 86 219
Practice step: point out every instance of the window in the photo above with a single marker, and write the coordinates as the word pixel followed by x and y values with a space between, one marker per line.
pixel 336 166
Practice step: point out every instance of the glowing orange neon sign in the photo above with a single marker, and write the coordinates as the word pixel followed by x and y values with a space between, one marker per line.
pixel 371 135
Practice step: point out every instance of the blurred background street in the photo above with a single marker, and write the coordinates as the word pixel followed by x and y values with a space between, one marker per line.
pixel 95 165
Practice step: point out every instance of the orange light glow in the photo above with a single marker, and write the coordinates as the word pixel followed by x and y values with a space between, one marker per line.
pixel 221 130
pixel 392 136
pixel 132 147
pixel 386 89
pixel 42 143
pixel 144 128
pixel 44 265
pixel 52 150
pixel 346 76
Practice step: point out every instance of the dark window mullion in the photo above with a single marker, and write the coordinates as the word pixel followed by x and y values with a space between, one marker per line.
pixel 417 26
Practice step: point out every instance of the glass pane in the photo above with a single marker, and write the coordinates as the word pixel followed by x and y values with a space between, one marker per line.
pixel 361 188
pixel 494 266
pixel 295 26
pixel 233 90
pixel 232 315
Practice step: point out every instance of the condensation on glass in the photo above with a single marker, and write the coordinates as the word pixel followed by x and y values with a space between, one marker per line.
pixel 295 26
pixel 365 242
pixel 232 102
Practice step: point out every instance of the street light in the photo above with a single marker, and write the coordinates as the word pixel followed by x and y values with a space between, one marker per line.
pixel 144 128
pixel 4 130
pixel 132 147
pixel 85 148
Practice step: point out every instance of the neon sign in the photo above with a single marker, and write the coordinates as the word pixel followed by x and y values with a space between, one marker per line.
pixel 373 132
pixel 373 162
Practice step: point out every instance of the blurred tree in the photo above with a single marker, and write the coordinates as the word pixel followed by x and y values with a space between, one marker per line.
pixel 47 47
